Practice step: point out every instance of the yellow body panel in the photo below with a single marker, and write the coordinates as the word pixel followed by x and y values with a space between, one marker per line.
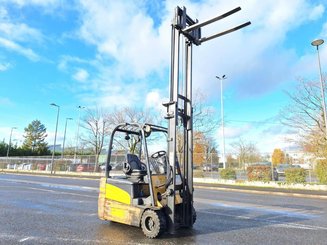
pixel 116 194
pixel 102 198
pixel 114 205
pixel 122 213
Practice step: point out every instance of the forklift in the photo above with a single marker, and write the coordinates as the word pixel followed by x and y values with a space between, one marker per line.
pixel 155 189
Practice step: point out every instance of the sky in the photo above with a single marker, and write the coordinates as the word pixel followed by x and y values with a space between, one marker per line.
pixel 112 54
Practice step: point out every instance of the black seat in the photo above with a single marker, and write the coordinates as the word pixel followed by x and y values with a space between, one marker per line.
pixel 134 167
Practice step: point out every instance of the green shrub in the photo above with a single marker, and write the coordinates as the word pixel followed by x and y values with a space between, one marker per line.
pixel 228 173
pixel 259 173
pixel 321 171
pixel 198 174
pixel 295 175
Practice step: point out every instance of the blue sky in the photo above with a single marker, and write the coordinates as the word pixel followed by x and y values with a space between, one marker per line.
pixel 117 53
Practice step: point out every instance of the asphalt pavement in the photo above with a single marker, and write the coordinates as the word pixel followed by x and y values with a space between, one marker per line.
pixel 52 210
pixel 218 186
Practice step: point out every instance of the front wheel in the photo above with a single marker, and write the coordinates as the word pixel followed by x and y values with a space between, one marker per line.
pixel 153 223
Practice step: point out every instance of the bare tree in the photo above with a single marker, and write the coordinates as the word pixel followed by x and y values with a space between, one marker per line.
pixel 205 123
pixel 246 152
pixel 99 124
pixel 97 127
pixel 131 115
pixel 305 114
pixel 204 119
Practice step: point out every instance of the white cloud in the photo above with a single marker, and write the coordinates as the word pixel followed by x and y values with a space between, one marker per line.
pixel 27 52
pixel 255 53
pixel 154 100
pixel 119 99
pixel 235 132
pixel 122 31
pixel 14 36
pixel 16 136
pixel 20 32
pixel 132 57
pixel 5 66
pixel 3 13
pixel 317 12
pixel 324 31
pixel 66 61
pixel 32 2
pixel 81 75
pixel 136 45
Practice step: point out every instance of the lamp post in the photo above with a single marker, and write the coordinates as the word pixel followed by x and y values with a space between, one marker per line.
pixel 55 139
pixel 77 132
pixel 317 43
pixel 9 143
pixel 222 117
pixel 63 143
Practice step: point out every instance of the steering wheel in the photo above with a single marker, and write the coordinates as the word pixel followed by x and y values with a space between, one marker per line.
pixel 158 154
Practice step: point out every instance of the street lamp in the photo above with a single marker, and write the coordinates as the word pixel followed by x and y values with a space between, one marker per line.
pixel 317 43
pixel 77 133
pixel 54 143
pixel 9 142
pixel 222 117
pixel 63 143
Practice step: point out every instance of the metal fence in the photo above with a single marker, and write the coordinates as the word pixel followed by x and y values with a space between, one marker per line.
pixel 206 168
pixel 43 163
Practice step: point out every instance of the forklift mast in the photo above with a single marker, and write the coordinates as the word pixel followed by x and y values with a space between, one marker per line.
pixel 179 110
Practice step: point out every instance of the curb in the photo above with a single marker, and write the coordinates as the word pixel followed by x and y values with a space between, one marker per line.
pixel 276 185
pixel 262 192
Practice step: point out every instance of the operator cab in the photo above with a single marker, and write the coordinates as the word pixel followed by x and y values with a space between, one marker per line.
pixel 129 167
pixel 128 151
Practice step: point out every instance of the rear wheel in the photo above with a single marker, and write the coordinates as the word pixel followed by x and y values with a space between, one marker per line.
pixel 193 215
pixel 153 223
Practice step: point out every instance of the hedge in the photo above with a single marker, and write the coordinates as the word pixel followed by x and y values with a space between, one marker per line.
pixel 259 173
pixel 321 171
pixel 228 173
pixel 295 175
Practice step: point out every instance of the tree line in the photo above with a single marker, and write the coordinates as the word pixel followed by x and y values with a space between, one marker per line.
pixel 305 115
pixel 34 144
pixel 98 124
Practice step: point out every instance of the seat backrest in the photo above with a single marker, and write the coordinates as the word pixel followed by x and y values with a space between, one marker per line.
pixel 134 162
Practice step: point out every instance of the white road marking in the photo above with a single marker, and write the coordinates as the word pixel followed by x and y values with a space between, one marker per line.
pixel 282 211
pixel 301 226
pixel 52 240
pixel 275 223
pixel 53 185
pixel 24 239
pixel 59 192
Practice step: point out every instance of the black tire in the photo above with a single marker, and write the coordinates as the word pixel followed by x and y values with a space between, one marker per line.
pixel 178 212
pixel 193 215
pixel 153 223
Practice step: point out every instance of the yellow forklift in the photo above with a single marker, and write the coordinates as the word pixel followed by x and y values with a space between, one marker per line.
pixel 155 190
pixel 140 196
